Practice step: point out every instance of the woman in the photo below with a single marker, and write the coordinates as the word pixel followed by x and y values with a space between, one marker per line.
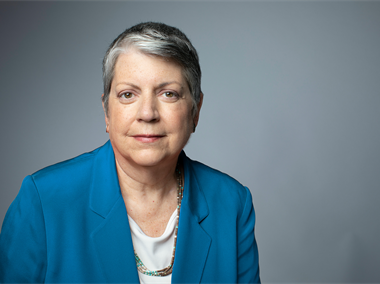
pixel 136 209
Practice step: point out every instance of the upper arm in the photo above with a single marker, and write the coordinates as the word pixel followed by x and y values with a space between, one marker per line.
pixel 248 258
pixel 23 254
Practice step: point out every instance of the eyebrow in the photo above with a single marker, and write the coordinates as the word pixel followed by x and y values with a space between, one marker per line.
pixel 159 86
pixel 168 83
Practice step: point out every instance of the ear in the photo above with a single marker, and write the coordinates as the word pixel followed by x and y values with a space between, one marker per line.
pixel 105 114
pixel 196 117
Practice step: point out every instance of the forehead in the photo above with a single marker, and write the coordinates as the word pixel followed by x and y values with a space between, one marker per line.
pixel 136 65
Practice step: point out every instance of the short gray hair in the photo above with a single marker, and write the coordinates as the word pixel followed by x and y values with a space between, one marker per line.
pixel 160 40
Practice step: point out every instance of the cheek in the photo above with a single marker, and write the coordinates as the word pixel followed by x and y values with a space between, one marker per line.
pixel 185 126
pixel 119 120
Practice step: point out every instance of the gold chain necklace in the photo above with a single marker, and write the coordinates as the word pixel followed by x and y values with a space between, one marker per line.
pixel 167 270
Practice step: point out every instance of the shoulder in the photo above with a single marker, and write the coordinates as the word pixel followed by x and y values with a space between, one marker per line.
pixel 208 174
pixel 67 167
pixel 219 186
pixel 60 179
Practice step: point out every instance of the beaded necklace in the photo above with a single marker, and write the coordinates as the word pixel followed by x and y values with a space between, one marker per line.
pixel 167 270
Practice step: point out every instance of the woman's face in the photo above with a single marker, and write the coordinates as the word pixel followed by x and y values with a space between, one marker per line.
pixel 149 117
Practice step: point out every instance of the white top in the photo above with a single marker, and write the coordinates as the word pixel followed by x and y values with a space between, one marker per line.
pixel 155 253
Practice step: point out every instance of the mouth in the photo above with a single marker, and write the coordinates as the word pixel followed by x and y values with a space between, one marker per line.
pixel 147 138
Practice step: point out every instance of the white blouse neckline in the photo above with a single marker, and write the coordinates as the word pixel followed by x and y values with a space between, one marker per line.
pixel 154 252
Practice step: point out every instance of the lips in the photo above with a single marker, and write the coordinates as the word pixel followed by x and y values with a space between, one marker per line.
pixel 147 138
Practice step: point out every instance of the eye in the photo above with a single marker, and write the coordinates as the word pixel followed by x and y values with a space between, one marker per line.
pixel 126 95
pixel 170 95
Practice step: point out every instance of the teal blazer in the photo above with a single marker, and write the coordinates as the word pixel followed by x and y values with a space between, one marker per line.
pixel 69 224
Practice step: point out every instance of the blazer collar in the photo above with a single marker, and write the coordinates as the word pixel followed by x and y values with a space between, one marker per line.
pixel 105 189
pixel 194 197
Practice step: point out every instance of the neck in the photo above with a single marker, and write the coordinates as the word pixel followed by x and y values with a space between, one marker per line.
pixel 141 182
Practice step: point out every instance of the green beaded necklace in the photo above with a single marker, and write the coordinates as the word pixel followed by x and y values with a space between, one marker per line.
pixel 167 270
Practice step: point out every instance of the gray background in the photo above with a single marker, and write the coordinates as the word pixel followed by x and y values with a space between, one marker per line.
pixel 291 109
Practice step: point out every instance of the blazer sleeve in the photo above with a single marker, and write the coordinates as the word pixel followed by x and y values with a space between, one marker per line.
pixel 23 254
pixel 248 257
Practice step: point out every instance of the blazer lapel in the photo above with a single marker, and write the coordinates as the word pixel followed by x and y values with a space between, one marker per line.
pixel 193 242
pixel 113 242
pixel 112 238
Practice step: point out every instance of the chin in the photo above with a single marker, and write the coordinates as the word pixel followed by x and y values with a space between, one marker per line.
pixel 151 158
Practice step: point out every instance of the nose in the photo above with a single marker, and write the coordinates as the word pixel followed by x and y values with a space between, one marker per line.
pixel 148 110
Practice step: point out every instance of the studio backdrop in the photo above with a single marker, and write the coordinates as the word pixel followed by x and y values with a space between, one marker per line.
pixel 291 110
